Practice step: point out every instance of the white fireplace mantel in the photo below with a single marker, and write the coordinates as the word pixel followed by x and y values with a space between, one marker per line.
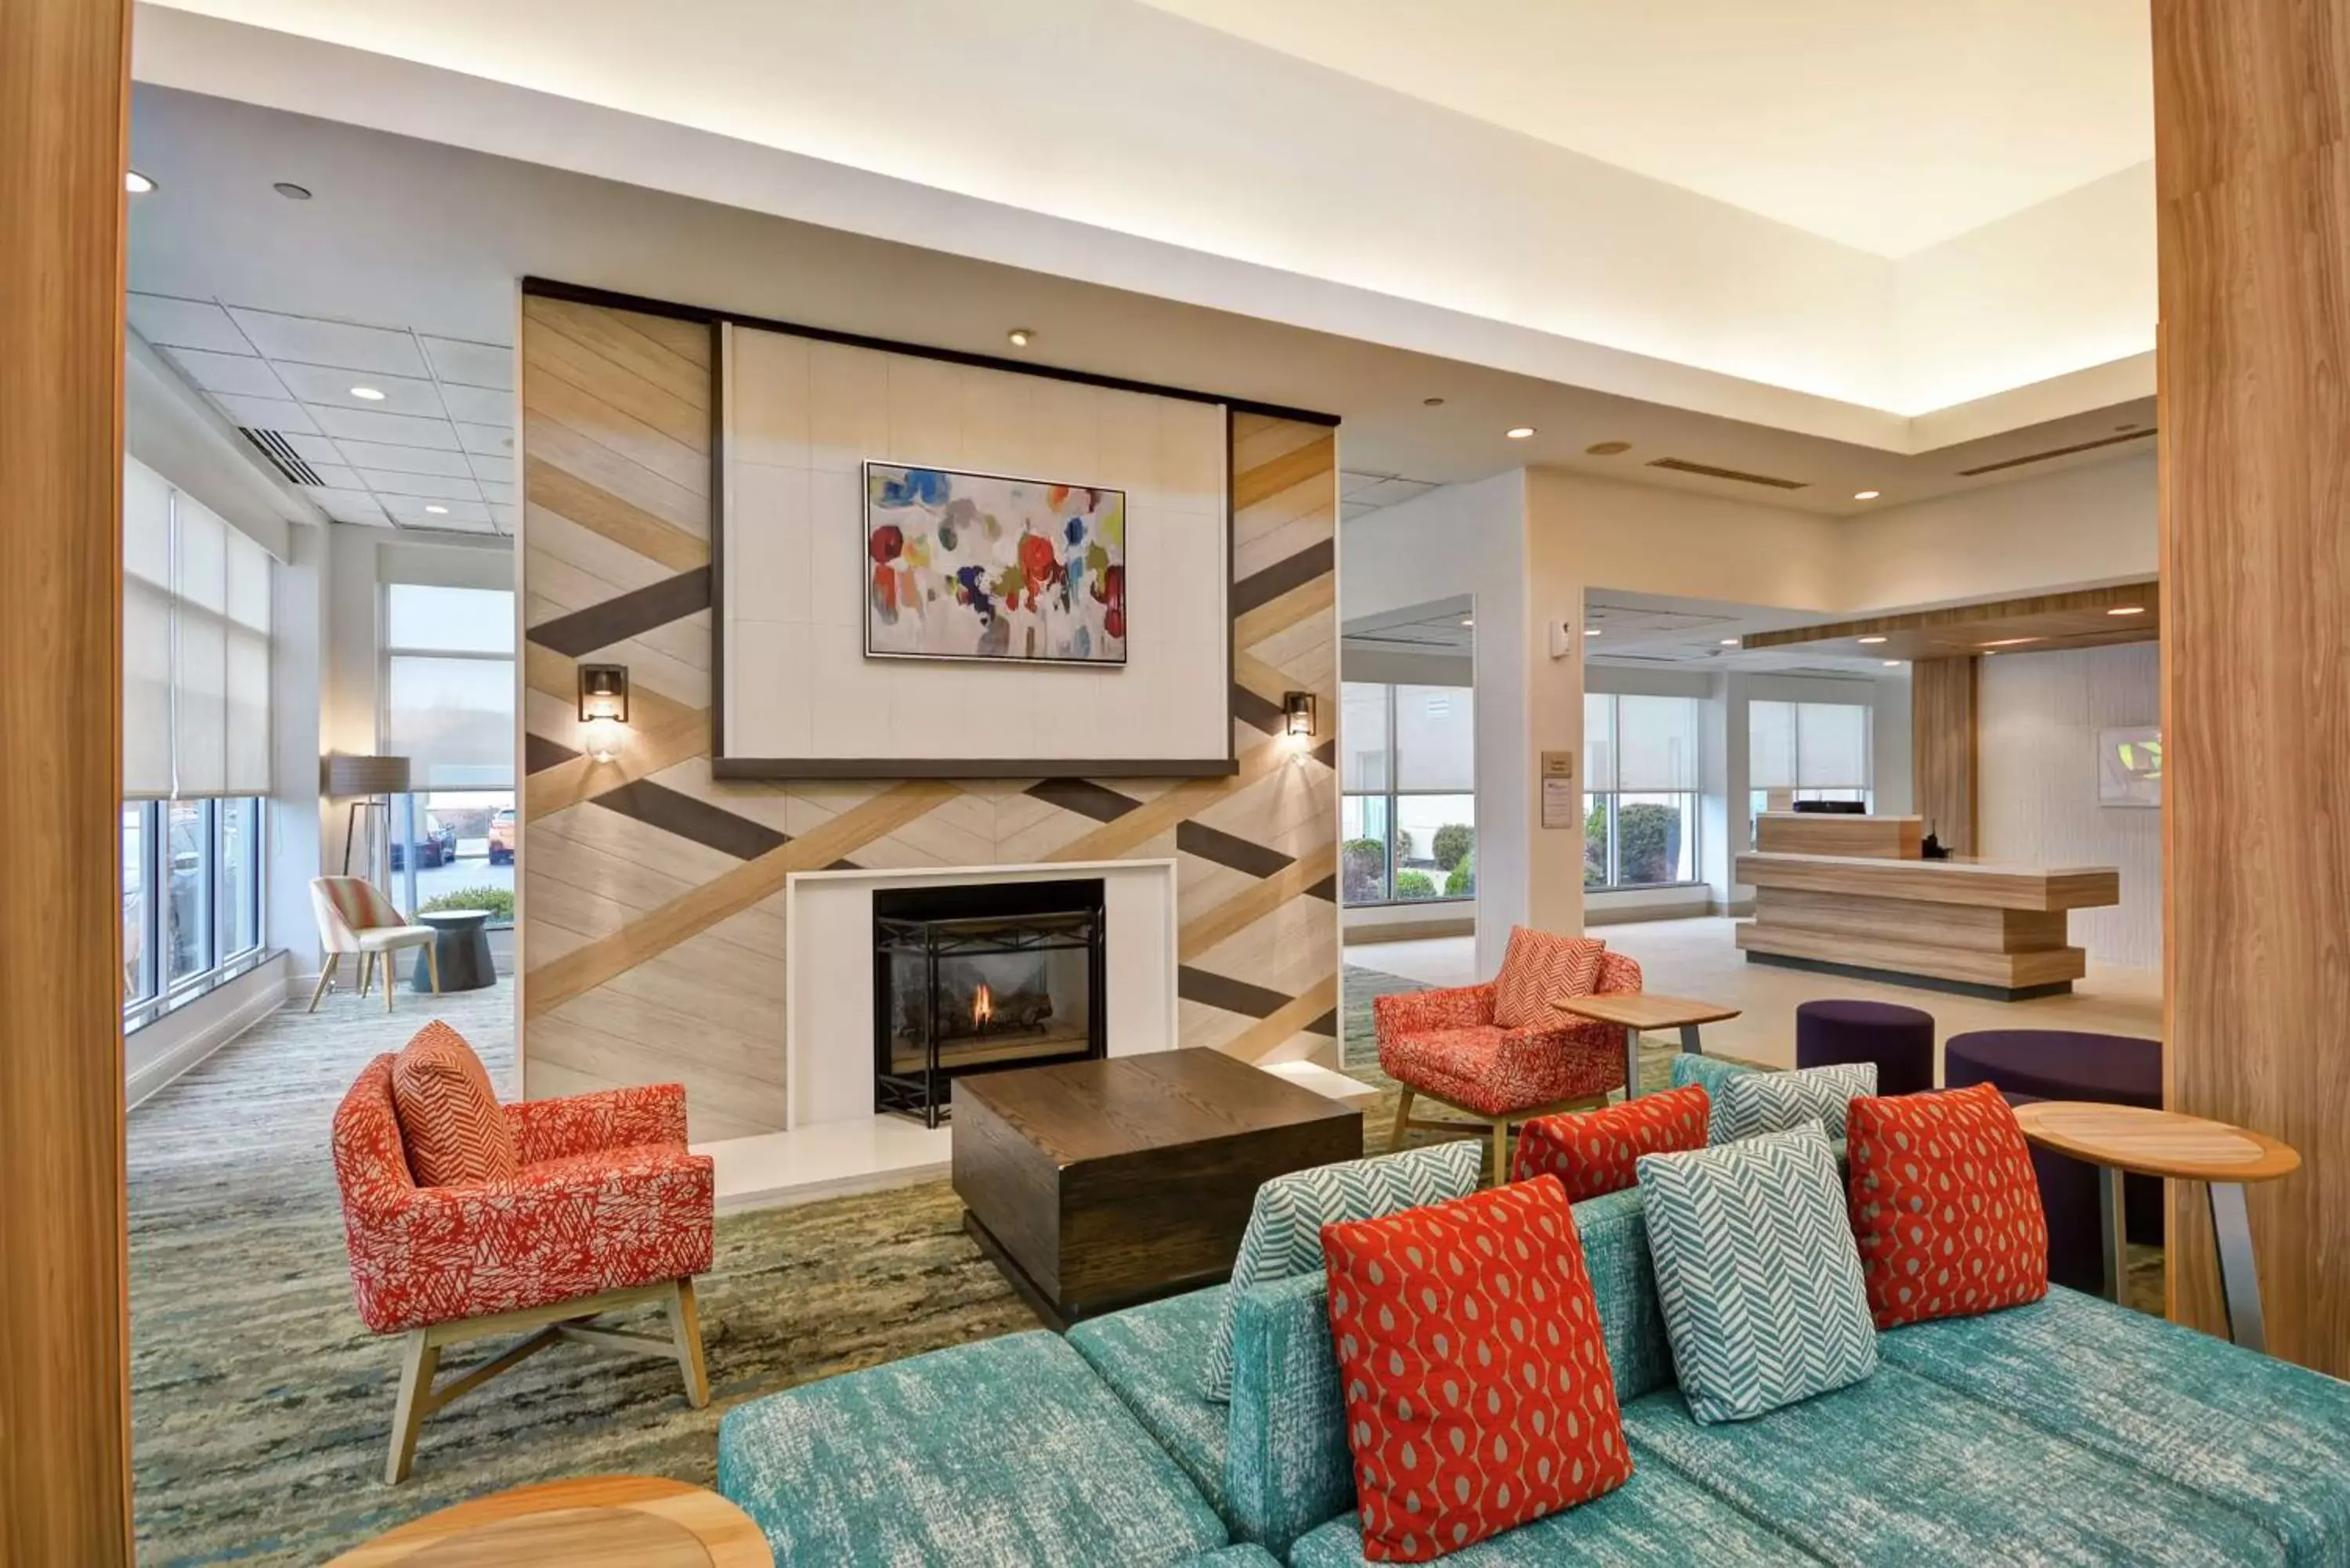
pixel 829 970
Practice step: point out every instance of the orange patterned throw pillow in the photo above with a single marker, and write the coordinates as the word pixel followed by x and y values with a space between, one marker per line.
pixel 1538 966
pixel 1594 1153
pixel 1945 1206
pixel 1478 1391
pixel 450 1121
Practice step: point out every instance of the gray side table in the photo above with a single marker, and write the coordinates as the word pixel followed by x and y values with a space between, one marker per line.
pixel 462 942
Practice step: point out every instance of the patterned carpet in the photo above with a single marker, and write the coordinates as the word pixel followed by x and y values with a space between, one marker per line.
pixel 260 1407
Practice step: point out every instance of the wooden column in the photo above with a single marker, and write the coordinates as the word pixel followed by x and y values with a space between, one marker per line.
pixel 1943 748
pixel 64 1487
pixel 2252 174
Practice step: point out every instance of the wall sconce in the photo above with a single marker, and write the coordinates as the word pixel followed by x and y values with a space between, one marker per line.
pixel 603 708
pixel 1298 711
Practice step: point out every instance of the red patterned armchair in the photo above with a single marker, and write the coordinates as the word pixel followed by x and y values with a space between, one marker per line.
pixel 605 1209
pixel 1448 1046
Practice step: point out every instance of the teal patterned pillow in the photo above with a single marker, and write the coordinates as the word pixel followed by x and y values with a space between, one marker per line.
pixel 1713 1072
pixel 1757 1273
pixel 1284 1230
pixel 1750 1103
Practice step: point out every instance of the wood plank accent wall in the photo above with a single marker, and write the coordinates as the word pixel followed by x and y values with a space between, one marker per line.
pixel 652 911
pixel 65 1417
pixel 2252 177
pixel 1942 749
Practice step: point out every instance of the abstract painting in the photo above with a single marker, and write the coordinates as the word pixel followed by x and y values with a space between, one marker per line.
pixel 978 565
pixel 2130 766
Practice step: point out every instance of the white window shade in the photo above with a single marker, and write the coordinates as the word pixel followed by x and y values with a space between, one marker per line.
pixel 1831 742
pixel 1657 743
pixel 1363 720
pixel 454 718
pixel 1771 745
pixel 195 648
pixel 1599 742
pixel 1436 739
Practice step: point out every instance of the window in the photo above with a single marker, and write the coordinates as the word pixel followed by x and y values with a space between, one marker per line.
pixel 192 899
pixel 1408 805
pixel 1640 791
pixel 197 745
pixel 449 708
pixel 1818 750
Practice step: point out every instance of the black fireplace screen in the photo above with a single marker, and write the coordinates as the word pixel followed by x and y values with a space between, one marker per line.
pixel 975 979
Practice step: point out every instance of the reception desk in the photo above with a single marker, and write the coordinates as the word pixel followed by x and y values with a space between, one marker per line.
pixel 1855 899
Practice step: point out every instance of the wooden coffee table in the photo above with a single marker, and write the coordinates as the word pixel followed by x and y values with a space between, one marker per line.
pixel 1635 1011
pixel 2132 1140
pixel 596 1522
pixel 1096 1185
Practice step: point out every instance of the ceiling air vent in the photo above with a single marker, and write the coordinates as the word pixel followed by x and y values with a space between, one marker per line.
pixel 2058 452
pixel 287 461
pixel 1681 465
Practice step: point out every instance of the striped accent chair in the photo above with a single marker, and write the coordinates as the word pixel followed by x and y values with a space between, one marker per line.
pixel 355 916
pixel 566 1209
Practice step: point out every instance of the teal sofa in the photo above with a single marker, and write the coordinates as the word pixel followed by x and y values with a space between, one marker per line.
pixel 2067 1431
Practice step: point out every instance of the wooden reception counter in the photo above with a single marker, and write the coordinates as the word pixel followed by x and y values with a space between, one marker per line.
pixel 1855 899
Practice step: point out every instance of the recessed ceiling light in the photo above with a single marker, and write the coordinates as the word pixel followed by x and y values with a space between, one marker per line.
pixel 1519 432
pixel 291 192
pixel 1591 632
pixel 1468 620
pixel 2127 610
pixel 1866 494
pixel 2011 641
pixel 1892 664
pixel 1431 403
pixel 1606 448
pixel 1730 642
pixel 1869 642
pixel 368 394
pixel 135 182
pixel 438 511
pixel 1019 336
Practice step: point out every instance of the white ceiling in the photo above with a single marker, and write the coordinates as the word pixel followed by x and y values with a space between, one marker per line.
pixel 1886 126
pixel 1361 494
pixel 434 452
pixel 1652 631
pixel 426 240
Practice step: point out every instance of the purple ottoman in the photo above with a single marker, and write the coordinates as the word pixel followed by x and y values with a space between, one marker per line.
pixel 1899 1040
pixel 2064 1064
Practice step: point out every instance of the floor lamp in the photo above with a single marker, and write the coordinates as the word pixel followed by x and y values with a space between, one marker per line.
pixel 360 780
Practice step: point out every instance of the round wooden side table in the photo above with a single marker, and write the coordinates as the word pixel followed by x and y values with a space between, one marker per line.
pixel 2131 1140
pixel 595 1521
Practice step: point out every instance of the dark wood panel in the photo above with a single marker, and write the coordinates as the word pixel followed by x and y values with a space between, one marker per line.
pixel 64 1482
pixel 1943 751
pixel 2252 103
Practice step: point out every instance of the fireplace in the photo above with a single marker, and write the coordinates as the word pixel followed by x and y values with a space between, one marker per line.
pixel 980 977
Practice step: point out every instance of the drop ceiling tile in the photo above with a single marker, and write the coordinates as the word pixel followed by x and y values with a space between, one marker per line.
pixel 1348 483
pixel 509 518
pixel 500 492
pixel 411 510
pixel 243 374
pixel 341 344
pixel 313 448
pixel 404 458
pixel 323 386
pixel 472 364
pixel 1350 510
pixel 266 414
pixel 492 441
pixel 348 506
pixel 444 526
pixel 438 486
pixel 497 469
pixel 395 429
pixel 479 404
pixel 336 476
pixel 169 322
pixel 1388 492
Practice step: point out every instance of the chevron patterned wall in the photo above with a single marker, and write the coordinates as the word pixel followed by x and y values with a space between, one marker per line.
pixel 650 920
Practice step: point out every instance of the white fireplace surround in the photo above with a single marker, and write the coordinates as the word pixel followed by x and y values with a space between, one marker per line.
pixel 829 970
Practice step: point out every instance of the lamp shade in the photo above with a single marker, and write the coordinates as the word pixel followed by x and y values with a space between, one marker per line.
pixel 349 776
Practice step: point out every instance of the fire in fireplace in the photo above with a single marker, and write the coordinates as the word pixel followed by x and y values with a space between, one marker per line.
pixel 977 978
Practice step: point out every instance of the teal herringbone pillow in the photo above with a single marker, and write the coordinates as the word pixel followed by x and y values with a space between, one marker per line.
pixel 1284 1230
pixel 1753 1103
pixel 1757 1273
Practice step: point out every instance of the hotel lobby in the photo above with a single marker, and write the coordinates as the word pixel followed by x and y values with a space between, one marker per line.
pixel 1186 784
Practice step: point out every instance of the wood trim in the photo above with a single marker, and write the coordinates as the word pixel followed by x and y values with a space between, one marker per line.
pixel 611 299
pixel 65 1418
pixel 2252 111
pixel 1945 752
pixel 2098 600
